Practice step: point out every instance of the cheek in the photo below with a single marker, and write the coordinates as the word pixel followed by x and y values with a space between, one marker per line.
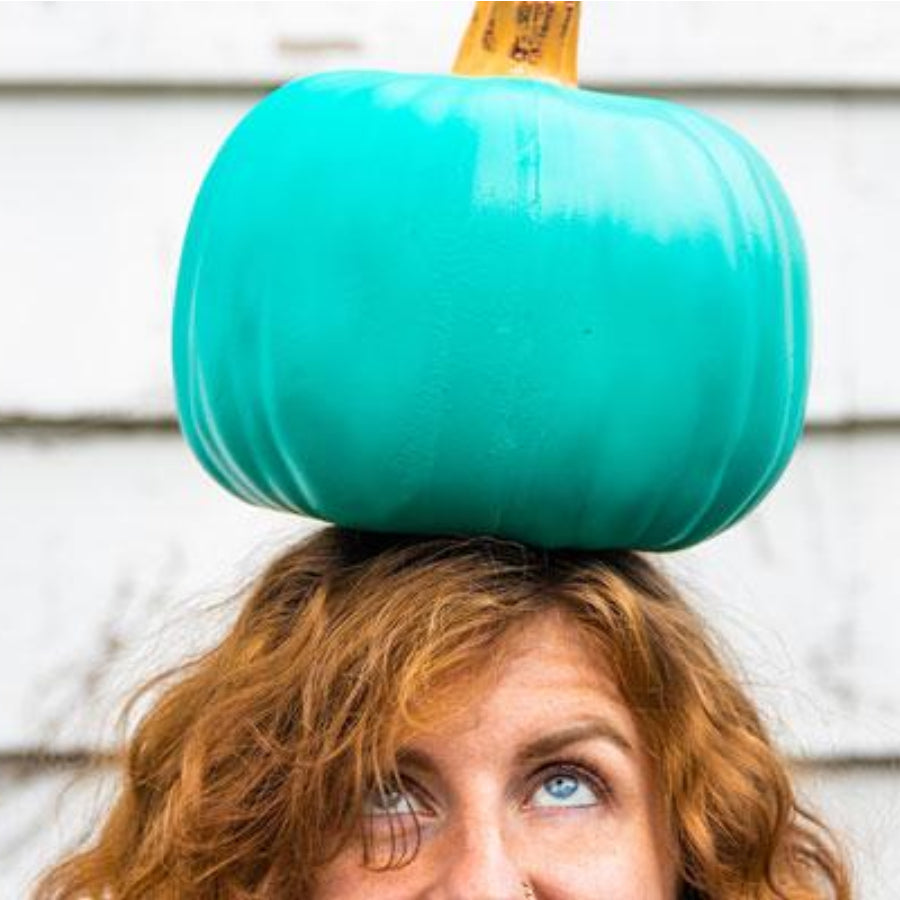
pixel 622 862
pixel 565 860
pixel 342 880
pixel 347 879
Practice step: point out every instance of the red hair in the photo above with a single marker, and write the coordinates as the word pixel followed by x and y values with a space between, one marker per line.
pixel 249 770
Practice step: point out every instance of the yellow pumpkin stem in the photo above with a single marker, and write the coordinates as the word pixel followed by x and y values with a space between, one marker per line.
pixel 533 40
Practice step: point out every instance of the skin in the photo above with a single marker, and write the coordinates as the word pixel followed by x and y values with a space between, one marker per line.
pixel 491 823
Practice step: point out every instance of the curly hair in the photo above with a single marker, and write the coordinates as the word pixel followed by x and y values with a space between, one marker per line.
pixel 249 770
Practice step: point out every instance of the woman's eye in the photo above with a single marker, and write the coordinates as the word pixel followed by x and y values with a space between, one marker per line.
pixel 568 787
pixel 392 801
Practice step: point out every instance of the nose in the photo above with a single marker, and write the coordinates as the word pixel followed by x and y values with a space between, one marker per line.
pixel 481 862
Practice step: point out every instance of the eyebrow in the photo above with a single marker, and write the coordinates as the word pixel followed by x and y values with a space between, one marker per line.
pixel 597 727
pixel 593 728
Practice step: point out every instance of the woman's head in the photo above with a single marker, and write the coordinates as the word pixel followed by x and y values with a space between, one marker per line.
pixel 362 731
pixel 537 776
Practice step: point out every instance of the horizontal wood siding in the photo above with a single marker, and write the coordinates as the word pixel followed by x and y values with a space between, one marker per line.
pixel 115 540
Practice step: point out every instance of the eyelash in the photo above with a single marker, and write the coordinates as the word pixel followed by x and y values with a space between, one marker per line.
pixel 573 765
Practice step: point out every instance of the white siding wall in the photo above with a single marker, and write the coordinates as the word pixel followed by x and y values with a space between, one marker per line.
pixel 112 537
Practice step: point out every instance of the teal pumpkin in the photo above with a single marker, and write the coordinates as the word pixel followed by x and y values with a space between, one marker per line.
pixel 437 303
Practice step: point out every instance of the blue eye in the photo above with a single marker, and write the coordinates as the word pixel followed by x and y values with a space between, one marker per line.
pixel 569 786
pixel 392 801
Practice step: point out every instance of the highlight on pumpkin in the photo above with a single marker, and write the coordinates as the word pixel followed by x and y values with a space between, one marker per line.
pixel 534 40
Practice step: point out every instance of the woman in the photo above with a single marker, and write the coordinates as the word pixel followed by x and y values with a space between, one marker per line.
pixel 456 718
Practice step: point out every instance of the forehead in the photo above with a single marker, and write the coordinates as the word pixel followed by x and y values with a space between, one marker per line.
pixel 545 671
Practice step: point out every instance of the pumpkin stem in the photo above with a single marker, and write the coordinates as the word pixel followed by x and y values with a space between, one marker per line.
pixel 534 40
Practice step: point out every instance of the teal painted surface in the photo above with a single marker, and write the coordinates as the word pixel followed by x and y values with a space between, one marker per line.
pixel 432 303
